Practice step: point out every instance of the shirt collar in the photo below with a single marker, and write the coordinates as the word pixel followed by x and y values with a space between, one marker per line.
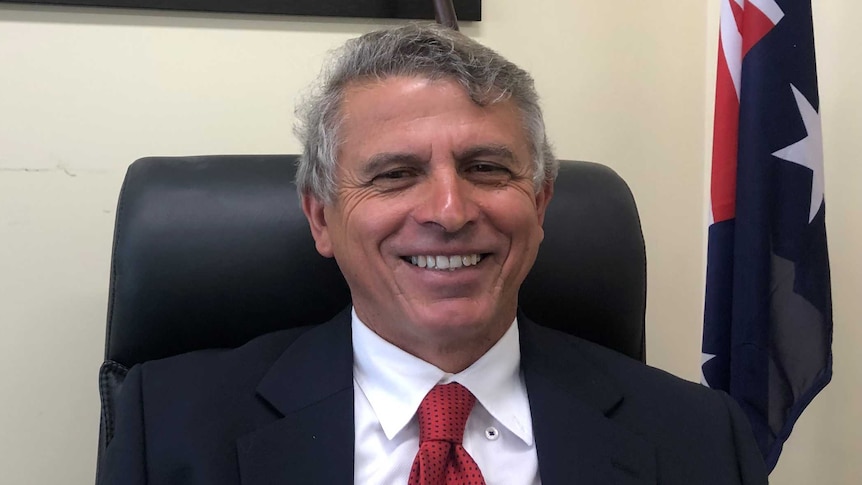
pixel 395 382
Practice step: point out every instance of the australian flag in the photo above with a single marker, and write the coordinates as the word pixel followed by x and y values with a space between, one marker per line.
pixel 767 331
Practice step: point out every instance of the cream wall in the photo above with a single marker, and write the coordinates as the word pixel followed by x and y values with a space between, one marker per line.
pixel 83 92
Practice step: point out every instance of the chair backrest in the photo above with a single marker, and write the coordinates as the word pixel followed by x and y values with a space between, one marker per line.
pixel 213 251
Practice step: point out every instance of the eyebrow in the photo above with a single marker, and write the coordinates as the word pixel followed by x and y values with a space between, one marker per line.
pixel 380 160
pixel 497 151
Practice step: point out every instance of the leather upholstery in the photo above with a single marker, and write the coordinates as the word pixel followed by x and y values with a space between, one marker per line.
pixel 212 251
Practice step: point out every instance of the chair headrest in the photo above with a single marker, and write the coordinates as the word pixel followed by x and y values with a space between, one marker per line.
pixel 213 251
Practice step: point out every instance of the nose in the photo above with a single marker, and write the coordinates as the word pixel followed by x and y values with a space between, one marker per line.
pixel 448 201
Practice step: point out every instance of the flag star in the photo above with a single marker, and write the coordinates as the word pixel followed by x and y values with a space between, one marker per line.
pixel 808 152
pixel 704 358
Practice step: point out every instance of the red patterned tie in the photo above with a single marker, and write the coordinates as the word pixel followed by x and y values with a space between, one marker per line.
pixel 442 460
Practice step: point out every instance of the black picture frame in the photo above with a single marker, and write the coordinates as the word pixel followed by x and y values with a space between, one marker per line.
pixel 467 10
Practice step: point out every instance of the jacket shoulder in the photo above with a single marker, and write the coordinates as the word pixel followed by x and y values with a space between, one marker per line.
pixel 630 376
pixel 700 435
pixel 175 413
pixel 241 366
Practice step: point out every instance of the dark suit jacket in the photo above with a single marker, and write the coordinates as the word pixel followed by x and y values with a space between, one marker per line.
pixel 279 410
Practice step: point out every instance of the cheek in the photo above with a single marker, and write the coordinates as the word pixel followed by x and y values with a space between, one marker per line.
pixel 519 221
pixel 368 226
pixel 514 213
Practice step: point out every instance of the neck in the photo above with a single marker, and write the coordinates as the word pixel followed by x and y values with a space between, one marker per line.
pixel 455 359
pixel 450 352
pixel 449 348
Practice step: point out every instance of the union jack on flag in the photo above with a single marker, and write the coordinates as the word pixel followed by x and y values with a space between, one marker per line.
pixel 767 332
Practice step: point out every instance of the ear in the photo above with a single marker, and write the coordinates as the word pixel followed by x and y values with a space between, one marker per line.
pixel 314 210
pixel 543 198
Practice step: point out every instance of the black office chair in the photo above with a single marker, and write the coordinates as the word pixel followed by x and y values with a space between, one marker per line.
pixel 212 251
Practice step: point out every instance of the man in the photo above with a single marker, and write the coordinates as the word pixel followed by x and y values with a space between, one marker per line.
pixel 426 173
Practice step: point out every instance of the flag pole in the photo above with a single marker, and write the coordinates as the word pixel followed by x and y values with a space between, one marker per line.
pixel 444 13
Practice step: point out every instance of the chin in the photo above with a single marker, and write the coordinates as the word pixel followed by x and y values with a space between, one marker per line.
pixel 457 316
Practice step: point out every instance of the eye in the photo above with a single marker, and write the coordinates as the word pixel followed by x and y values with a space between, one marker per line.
pixel 488 172
pixel 486 167
pixel 394 174
pixel 395 178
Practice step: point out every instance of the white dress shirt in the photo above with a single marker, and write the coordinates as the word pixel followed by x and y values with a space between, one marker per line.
pixel 388 386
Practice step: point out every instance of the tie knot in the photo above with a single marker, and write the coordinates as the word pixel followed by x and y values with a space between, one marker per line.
pixel 443 413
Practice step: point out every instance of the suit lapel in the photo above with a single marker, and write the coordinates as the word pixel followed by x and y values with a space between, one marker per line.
pixel 311 385
pixel 572 402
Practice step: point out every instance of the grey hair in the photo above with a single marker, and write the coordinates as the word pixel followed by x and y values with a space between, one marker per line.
pixel 425 50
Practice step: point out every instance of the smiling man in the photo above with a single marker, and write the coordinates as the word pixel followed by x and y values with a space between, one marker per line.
pixel 436 219
pixel 426 174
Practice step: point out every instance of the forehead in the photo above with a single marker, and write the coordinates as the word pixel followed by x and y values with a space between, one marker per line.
pixel 418 113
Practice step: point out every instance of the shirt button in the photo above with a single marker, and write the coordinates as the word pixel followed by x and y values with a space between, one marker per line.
pixel 491 433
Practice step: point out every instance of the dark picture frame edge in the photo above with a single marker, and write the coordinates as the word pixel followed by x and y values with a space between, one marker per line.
pixel 467 10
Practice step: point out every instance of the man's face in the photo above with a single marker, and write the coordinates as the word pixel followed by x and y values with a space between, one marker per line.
pixel 424 174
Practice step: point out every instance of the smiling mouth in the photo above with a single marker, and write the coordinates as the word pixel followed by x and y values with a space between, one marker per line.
pixel 440 263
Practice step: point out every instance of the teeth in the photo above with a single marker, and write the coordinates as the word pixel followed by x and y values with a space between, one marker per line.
pixel 455 262
pixel 450 263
